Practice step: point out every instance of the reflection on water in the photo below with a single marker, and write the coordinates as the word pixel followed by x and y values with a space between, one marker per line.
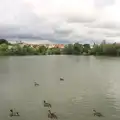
pixel 89 82
pixel 113 94
pixel 4 65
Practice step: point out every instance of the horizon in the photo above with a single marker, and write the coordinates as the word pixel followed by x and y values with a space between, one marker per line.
pixel 44 43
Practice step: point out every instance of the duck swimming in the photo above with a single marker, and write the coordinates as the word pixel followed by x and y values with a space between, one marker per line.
pixel 47 104
pixel 36 84
pixel 16 114
pixel 52 115
pixel 12 113
pixel 97 114
pixel 61 79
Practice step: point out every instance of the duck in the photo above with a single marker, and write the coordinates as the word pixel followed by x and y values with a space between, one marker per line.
pixel 36 84
pixel 51 115
pixel 97 113
pixel 16 114
pixel 61 79
pixel 47 104
pixel 11 113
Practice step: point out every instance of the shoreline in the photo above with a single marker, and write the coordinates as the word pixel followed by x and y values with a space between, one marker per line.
pixel 58 55
pixel 76 49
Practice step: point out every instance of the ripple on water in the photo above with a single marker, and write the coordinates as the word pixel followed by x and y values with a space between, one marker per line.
pixel 77 99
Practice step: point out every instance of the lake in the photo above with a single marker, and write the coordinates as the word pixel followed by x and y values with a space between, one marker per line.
pixel 89 83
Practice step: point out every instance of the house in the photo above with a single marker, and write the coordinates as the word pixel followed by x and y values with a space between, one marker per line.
pixel 59 46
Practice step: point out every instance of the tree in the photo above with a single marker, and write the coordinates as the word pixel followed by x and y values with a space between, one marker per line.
pixel 56 51
pixel 42 50
pixel 97 50
pixel 3 49
pixel 109 49
pixel 3 41
pixel 78 48
pixel 68 49
pixel 86 48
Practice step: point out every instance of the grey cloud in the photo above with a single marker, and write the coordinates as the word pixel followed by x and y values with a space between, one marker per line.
pixel 91 32
pixel 24 32
pixel 80 19
pixel 7 29
pixel 104 25
pixel 60 41
pixel 115 34
pixel 105 32
pixel 63 31
pixel 21 32
pixel 19 21
pixel 21 36
pixel 17 12
pixel 103 3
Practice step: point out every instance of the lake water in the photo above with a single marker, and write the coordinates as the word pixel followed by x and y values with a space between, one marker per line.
pixel 89 82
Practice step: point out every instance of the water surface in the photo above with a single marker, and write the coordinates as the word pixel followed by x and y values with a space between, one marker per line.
pixel 90 82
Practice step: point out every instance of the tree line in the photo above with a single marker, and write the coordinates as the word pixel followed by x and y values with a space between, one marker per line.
pixel 70 49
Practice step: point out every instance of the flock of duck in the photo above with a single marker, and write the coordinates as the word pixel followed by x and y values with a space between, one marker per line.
pixel 51 115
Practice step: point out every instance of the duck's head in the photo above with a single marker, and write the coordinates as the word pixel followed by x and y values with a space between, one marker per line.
pixel 11 110
pixel 17 113
pixel 94 110
pixel 44 101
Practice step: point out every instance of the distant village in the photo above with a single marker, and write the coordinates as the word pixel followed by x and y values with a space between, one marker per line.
pixel 46 45
pixel 38 45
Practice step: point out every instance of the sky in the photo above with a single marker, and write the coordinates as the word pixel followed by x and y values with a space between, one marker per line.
pixel 60 21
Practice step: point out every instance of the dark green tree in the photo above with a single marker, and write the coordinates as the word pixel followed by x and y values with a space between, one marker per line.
pixel 3 41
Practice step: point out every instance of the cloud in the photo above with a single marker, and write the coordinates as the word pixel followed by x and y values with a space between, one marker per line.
pixel 80 19
pixel 62 31
pixel 103 3
pixel 105 25
pixel 60 21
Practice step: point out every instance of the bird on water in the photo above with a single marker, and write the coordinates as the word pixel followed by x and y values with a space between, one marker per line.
pixel 97 113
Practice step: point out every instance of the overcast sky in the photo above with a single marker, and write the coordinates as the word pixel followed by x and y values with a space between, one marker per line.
pixel 60 21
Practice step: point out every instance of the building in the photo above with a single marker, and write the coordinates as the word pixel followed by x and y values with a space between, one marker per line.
pixel 59 46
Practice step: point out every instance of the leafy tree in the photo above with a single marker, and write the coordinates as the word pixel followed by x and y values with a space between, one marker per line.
pixel 42 50
pixel 68 49
pixel 78 48
pixel 3 49
pixel 86 48
pixel 3 41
